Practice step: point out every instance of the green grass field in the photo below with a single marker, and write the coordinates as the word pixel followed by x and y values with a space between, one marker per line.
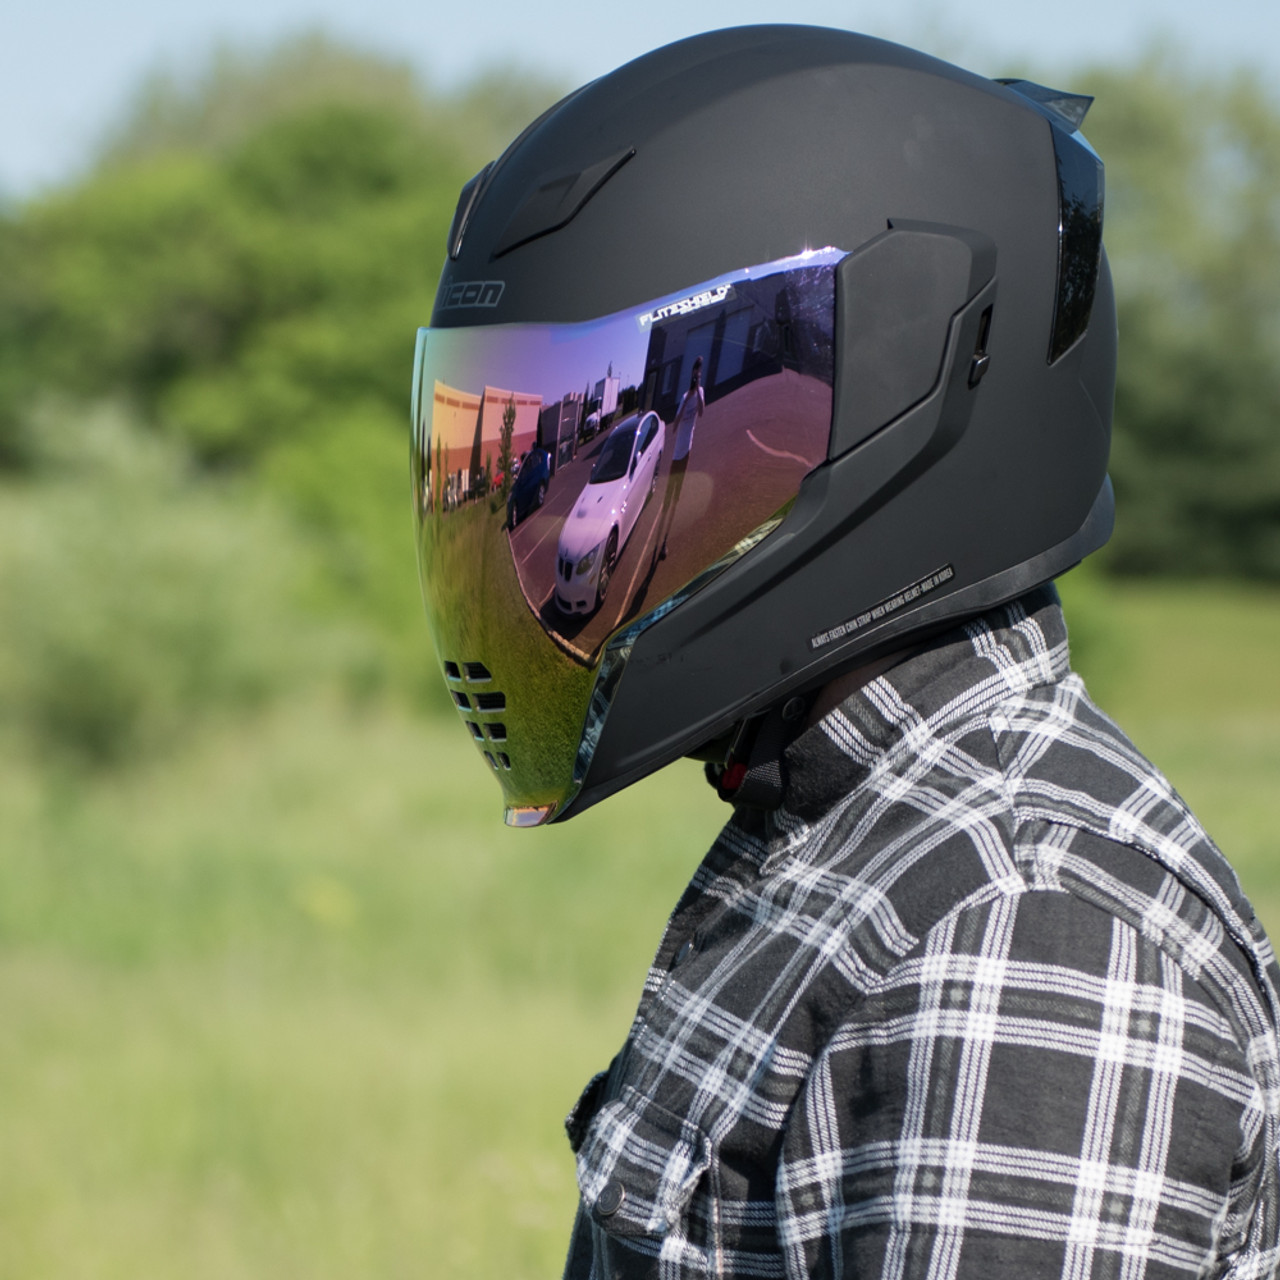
pixel 291 1002
pixel 1194 679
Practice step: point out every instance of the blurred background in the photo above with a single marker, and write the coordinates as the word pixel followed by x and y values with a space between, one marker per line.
pixel 279 996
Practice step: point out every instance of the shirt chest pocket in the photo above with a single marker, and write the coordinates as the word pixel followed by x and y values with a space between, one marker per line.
pixel 642 1173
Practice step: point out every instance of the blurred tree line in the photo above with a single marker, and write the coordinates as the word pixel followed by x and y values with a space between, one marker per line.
pixel 205 350
pixel 1193 231
pixel 205 347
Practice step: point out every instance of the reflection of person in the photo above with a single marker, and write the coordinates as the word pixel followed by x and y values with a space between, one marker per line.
pixel 962 991
pixel 690 410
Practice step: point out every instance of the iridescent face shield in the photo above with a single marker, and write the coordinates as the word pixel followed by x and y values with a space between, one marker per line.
pixel 573 482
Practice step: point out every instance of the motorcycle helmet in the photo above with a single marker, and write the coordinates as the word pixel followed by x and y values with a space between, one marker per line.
pixel 760 357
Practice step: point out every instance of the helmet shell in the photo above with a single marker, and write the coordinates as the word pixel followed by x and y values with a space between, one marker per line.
pixel 974 349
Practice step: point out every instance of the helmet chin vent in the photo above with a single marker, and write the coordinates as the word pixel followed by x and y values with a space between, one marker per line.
pixel 482 732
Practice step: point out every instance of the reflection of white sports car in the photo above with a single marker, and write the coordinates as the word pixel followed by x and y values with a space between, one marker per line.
pixel 597 529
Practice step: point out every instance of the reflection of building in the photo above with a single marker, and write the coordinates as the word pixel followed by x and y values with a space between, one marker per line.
pixel 450 429
pixel 464 439
pixel 558 428
pixel 765 326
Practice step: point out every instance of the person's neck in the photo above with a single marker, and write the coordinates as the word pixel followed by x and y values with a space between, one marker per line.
pixel 831 695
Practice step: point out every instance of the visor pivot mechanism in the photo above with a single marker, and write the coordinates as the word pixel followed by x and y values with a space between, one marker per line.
pixel 981 360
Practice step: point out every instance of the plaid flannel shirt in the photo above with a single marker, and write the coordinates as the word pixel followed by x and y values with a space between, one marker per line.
pixel 980 1000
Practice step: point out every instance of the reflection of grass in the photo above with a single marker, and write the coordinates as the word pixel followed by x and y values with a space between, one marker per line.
pixel 291 1001
pixel 547 693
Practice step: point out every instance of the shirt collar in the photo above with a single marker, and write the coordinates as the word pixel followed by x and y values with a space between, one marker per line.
pixel 1008 651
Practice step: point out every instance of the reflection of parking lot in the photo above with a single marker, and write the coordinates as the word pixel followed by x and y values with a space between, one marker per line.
pixel 750 451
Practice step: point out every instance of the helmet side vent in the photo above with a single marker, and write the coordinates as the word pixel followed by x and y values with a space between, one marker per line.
pixel 490 701
pixel 451 671
pixel 558 200
pixel 476 672
pixel 467 202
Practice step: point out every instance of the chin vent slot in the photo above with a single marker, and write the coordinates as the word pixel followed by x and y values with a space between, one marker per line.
pixel 489 756
pixel 482 733
pixel 504 760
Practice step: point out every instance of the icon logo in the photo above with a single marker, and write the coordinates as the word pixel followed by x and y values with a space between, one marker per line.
pixel 473 293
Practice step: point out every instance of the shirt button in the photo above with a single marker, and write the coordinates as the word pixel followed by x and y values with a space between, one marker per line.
pixel 610 1199
pixel 685 952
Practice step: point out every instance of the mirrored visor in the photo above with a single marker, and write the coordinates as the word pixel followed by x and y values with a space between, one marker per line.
pixel 572 482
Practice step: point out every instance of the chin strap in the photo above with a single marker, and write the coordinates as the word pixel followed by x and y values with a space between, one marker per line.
pixel 753 776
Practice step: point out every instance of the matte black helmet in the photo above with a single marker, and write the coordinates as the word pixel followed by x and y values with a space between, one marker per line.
pixel 758 358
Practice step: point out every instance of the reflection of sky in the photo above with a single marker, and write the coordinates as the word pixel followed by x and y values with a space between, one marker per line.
pixel 551 360
pixel 546 360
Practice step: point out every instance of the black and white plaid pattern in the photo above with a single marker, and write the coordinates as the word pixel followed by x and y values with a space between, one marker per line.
pixel 982 1000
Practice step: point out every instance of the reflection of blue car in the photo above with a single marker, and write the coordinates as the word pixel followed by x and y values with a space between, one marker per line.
pixel 529 489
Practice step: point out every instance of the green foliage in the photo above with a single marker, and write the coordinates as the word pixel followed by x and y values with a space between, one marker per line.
pixel 504 443
pixel 244 274
pixel 241 89
pixel 237 299
pixel 137 602
pixel 347 482
pixel 1193 190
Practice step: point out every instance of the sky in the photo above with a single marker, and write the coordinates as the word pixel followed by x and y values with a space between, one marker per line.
pixel 68 67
